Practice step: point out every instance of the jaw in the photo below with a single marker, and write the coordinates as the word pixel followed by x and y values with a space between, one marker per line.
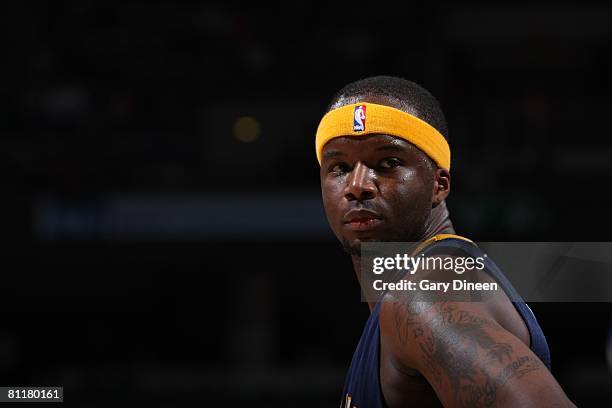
pixel 352 243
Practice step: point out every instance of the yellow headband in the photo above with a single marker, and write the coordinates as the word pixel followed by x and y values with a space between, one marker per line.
pixel 367 118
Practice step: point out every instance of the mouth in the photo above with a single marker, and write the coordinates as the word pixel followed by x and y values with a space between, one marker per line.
pixel 362 220
pixel 364 224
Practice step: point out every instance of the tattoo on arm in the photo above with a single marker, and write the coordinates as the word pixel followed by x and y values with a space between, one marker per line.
pixel 451 341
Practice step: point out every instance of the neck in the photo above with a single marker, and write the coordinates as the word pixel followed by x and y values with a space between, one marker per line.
pixel 357 268
pixel 438 223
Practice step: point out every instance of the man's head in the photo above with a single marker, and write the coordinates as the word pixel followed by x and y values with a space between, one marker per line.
pixel 378 187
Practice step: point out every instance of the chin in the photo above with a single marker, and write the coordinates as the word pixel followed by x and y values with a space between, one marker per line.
pixel 353 246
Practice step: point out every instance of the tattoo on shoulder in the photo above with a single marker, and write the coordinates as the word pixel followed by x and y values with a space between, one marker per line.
pixel 451 341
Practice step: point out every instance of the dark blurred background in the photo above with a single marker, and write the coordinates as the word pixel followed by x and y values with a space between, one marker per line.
pixel 165 241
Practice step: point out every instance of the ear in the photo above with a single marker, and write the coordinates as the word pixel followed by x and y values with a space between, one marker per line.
pixel 441 186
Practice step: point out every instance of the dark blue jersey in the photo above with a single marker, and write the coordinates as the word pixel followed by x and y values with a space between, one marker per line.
pixel 362 387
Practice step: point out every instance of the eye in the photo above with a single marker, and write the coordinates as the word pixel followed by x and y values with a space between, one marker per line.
pixel 390 162
pixel 339 168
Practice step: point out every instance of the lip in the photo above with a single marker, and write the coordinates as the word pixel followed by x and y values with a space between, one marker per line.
pixel 362 220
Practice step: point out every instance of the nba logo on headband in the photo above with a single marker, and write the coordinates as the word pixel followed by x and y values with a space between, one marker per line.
pixel 359 118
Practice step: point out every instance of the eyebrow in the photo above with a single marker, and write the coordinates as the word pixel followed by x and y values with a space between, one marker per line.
pixel 391 147
pixel 332 153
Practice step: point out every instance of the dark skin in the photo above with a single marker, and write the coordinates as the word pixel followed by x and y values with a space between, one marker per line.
pixel 449 353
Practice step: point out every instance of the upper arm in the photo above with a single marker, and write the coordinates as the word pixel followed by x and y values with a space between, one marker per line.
pixel 469 359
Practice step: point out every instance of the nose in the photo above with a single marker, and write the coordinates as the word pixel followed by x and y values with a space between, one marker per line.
pixel 360 184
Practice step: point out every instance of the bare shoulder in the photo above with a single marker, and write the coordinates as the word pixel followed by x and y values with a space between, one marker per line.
pixel 468 358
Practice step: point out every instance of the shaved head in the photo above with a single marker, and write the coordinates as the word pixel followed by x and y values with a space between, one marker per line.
pixel 396 92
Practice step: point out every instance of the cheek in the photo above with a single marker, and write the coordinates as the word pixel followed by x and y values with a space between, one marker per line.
pixel 331 192
pixel 411 191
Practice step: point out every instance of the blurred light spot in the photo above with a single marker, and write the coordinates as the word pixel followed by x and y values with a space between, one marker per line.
pixel 247 129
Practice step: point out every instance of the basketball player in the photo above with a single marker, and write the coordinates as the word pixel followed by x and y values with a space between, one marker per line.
pixel 385 175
